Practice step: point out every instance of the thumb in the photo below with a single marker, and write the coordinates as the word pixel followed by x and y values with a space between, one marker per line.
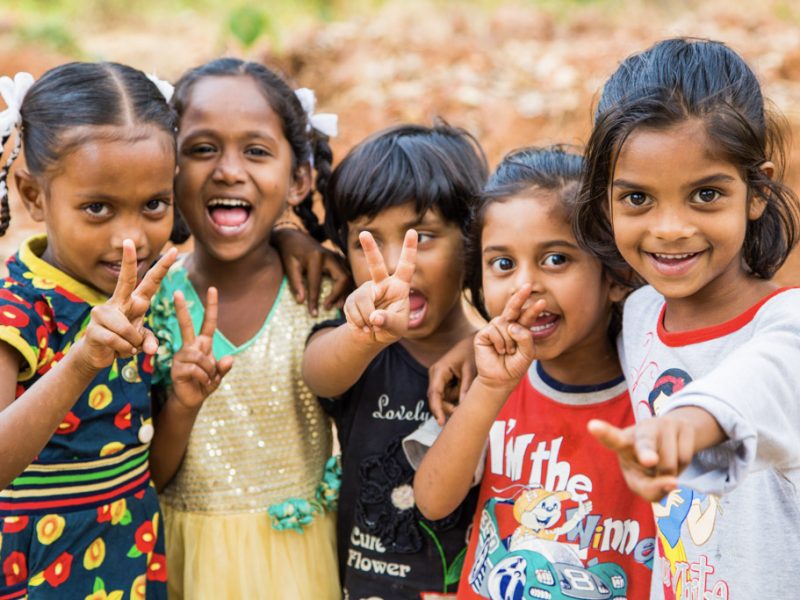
pixel 224 365
pixel 524 340
pixel 394 323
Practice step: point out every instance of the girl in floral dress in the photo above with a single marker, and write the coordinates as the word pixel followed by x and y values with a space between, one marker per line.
pixel 79 516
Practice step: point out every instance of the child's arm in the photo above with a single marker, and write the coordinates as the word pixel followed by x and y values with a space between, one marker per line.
pixel 377 315
pixel 195 374
pixel 115 328
pixel 457 367
pixel 503 352
pixel 302 256
pixel 655 451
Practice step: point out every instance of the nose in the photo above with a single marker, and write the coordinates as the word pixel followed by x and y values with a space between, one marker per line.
pixel 528 273
pixel 229 168
pixel 391 256
pixel 129 228
pixel 671 223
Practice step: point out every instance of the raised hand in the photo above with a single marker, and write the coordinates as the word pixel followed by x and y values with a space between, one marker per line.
pixel 195 372
pixel 116 328
pixel 379 308
pixel 504 348
pixel 651 453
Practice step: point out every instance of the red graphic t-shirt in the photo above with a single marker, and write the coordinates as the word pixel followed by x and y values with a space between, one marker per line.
pixel 555 518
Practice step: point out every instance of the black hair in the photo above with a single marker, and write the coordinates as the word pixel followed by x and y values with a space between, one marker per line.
pixel 438 168
pixel 673 81
pixel 552 168
pixel 307 144
pixel 77 95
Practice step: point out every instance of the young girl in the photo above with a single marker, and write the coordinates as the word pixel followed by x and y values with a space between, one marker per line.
pixel 372 364
pixel 683 187
pixel 82 519
pixel 246 496
pixel 554 517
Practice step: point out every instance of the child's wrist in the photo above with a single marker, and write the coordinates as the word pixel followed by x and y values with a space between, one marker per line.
pixel 499 390
pixel 79 358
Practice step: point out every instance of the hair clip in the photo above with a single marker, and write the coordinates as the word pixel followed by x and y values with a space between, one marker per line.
pixel 325 123
pixel 13 92
pixel 164 86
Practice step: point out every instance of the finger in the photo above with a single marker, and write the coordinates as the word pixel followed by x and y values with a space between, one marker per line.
pixel 667 451
pixel 523 339
pixel 468 374
pixel 152 279
pixel 352 314
pixel 294 275
pixel 112 320
pixel 122 347
pixel 126 281
pixel 365 306
pixel 407 262
pixel 314 277
pixel 209 325
pixel 196 357
pixel 375 262
pixel 449 408
pixel 613 438
pixel 191 371
pixel 340 277
pixel 150 343
pixel 438 380
pixel 495 338
pixel 224 365
pixel 394 323
pixel 531 313
pixel 513 307
pixel 646 446
pixel 653 489
pixel 685 448
pixel 185 324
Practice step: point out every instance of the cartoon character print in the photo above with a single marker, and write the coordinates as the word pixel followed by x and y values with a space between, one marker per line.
pixel 683 505
pixel 532 562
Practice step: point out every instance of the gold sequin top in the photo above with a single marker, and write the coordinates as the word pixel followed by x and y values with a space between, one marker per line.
pixel 262 437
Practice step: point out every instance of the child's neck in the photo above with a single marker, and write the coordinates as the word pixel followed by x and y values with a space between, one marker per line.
pixel 248 287
pixel 590 363
pixel 715 304
pixel 454 328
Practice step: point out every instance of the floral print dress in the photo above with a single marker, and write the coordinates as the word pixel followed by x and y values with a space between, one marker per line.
pixel 82 521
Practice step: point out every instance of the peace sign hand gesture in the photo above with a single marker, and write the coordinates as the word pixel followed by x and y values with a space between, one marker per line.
pixel 195 372
pixel 504 348
pixel 379 308
pixel 116 328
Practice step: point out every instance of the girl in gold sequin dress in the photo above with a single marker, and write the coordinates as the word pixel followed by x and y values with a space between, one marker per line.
pixel 247 486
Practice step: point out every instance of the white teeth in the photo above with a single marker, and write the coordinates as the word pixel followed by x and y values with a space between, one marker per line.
pixel 228 203
pixel 538 328
pixel 673 256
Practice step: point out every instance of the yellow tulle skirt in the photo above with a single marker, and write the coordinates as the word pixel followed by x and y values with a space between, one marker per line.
pixel 215 557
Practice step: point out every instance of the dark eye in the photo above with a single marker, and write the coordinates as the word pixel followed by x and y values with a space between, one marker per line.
pixel 96 209
pixel 423 237
pixel 258 151
pixel 201 149
pixel 555 260
pixel 156 206
pixel 502 263
pixel 706 195
pixel 636 198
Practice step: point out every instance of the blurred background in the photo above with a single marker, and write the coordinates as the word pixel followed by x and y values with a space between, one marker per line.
pixel 512 73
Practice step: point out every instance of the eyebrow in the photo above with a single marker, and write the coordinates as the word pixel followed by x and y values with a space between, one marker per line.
pixel 216 133
pixel 711 179
pixel 548 245
pixel 97 197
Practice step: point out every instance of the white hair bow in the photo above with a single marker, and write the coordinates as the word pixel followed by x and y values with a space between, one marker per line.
pixel 325 123
pixel 13 92
pixel 164 86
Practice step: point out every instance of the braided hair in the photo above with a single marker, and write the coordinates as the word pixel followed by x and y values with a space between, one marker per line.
pixel 76 95
pixel 308 145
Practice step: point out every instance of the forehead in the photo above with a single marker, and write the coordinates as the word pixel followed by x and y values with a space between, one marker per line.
pixel 137 166
pixel 398 218
pixel 680 150
pixel 220 102
pixel 532 217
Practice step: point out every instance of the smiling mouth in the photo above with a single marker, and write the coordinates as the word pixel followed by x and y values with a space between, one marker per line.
pixel 675 263
pixel 545 324
pixel 229 215
pixel 417 309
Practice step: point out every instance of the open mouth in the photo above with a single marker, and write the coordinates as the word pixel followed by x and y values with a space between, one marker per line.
pixel 229 215
pixel 673 263
pixel 115 266
pixel 545 324
pixel 418 307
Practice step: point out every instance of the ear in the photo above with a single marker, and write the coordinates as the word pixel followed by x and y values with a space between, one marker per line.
pixel 301 184
pixel 757 204
pixel 31 192
pixel 616 291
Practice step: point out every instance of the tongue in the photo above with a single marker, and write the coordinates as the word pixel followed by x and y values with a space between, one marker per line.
pixel 229 217
pixel 415 302
pixel 546 320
